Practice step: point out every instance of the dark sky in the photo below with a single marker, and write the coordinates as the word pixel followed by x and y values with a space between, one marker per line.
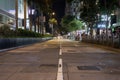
pixel 59 8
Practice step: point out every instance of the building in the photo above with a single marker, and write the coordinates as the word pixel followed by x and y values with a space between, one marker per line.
pixel 6 18
pixel 7 12
pixel 73 8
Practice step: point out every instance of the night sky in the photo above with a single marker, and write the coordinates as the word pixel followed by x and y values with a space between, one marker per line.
pixel 59 8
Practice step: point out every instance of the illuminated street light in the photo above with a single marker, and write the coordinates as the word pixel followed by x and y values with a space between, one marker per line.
pixel 52 21
pixel 53 13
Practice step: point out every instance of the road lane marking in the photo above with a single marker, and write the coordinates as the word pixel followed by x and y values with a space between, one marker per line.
pixel 60 70
pixel 60 65
pixel 60 53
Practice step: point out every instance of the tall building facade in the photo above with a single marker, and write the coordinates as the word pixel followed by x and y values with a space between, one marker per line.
pixel 7 9
pixel 7 5
pixel 7 12
pixel 73 8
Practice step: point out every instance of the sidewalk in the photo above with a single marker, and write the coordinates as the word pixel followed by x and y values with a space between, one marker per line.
pixel 104 47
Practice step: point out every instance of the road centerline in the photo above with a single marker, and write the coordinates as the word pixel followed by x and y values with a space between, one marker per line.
pixel 60 71
pixel 60 65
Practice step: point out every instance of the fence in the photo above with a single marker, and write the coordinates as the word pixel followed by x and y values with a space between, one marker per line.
pixel 110 41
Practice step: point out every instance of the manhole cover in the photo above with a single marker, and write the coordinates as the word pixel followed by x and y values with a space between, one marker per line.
pixel 88 68
pixel 48 65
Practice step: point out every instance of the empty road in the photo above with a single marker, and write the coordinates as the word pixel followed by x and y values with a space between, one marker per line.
pixel 60 59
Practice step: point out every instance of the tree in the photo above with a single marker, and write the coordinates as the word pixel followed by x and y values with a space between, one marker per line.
pixel 75 25
pixel 41 6
pixel 70 23
pixel 65 21
pixel 89 11
pixel 107 7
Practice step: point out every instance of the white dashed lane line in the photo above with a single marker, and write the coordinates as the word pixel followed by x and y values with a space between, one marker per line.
pixel 60 71
pixel 60 66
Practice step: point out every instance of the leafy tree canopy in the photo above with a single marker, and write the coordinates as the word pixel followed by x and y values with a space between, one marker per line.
pixel 53 21
pixel 108 5
pixel 71 24
pixel 75 25
pixel 44 5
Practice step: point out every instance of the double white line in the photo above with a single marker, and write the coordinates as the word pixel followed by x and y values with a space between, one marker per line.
pixel 60 66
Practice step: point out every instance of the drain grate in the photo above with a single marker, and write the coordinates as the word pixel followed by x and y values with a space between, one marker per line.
pixel 88 68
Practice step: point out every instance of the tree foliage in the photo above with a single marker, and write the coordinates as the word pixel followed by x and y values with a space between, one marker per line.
pixel 89 11
pixel 107 6
pixel 91 8
pixel 75 25
pixel 44 5
pixel 52 21
pixel 69 23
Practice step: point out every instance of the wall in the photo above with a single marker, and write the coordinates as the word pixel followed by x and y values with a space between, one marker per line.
pixel 14 42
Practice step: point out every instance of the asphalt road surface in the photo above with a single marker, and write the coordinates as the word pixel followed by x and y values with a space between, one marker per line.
pixel 60 59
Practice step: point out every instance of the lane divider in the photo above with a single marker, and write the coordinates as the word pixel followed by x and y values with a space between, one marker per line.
pixel 60 70
pixel 60 53
pixel 60 65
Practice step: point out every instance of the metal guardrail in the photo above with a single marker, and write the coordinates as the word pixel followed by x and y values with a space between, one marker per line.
pixel 112 41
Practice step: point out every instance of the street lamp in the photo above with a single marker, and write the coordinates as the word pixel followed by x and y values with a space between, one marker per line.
pixel 53 13
pixel 52 21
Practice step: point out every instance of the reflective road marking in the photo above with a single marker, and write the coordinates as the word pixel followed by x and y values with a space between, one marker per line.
pixel 60 71
pixel 60 66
